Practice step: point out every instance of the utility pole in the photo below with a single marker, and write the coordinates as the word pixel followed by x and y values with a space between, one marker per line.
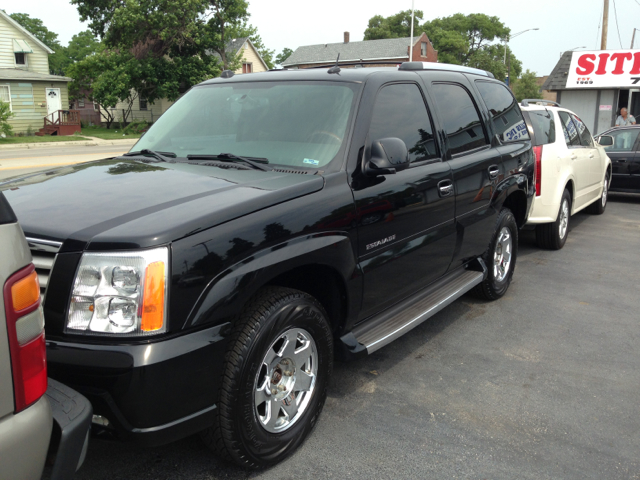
pixel 411 44
pixel 605 25
pixel 633 38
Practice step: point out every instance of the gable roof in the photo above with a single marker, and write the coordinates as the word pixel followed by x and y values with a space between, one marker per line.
pixel 387 48
pixel 25 31
pixel 558 78
pixel 236 44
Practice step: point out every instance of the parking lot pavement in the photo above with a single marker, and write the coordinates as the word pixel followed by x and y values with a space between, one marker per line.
pixel 23 161
pixel 542 384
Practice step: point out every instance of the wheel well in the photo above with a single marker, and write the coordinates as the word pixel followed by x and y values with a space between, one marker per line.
pixel 321 282
pixel 517 203
pixel 569 186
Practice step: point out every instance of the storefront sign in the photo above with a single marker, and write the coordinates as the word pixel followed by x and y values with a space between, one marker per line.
pixel 604 69
pixel 606 107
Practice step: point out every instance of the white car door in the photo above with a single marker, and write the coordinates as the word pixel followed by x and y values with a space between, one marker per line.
pixel 579 160
pixel 595 159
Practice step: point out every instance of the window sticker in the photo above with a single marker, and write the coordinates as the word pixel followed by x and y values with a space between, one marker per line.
pixel 311 162
pixel 518 131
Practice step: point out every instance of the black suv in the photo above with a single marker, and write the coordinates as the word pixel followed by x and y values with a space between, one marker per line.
pixel 203 281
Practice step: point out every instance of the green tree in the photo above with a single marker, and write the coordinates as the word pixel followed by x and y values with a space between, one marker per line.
pixel 394 26
pixel 58 61
pixel 5 115
pixel 526 86
pixel 281 57
pixel 82 45
pixel 491 58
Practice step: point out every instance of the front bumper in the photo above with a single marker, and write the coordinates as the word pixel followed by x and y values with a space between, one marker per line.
pixel 150 393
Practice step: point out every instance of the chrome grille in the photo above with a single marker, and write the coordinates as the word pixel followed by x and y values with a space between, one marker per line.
pixel 44 256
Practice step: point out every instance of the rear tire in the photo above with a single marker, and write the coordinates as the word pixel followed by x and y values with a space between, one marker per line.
pixel 598 207
pixel 500 257
pixel 274 381
pixel 553 236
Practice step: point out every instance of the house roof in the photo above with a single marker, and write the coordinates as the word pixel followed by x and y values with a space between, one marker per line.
pixel 557 80
pixel 25 31
pixel 236 44
pixel 18 74
pixel 351 52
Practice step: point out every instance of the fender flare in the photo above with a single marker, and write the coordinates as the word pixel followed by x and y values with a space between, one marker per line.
pixel 226 294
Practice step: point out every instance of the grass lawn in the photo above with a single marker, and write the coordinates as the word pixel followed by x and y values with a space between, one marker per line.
pixel 46 138
pixel 107 134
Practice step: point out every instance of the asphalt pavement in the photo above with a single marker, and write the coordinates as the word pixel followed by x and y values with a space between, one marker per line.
pixel 542 384
pixel 20 161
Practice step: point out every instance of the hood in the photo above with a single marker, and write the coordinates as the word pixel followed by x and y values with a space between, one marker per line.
pixel 122 203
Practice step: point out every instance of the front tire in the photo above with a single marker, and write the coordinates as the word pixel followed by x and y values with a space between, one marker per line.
pixel 500 257
pixel 553 236
pixel 598 207
pixel 275 378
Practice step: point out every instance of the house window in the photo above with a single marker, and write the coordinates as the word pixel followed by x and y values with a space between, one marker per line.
pixel 81 103
pixel 21 58
pixel 423 49
pixel 5 95
pixel 247 68
pixel 143 103
pixel 96 107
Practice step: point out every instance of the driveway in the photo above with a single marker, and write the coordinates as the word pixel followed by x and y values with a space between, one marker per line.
pixel 542 384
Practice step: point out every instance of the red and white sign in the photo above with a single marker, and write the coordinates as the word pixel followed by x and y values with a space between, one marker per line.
pixel 604 69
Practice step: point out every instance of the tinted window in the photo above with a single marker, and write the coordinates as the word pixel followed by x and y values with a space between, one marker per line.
pixel 460 117
pixel 544 126
pixel 585 137
pixel 623 140
pixel 507 119
pixel 570 131
pixel 400 112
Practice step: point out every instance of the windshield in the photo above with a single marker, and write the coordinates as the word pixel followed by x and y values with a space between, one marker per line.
pixel 299 124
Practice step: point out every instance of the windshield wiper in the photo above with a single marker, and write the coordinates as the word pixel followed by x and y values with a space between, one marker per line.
pixel 159 155
pixel 230 157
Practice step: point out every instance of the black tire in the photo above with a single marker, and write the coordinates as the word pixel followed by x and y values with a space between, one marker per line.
pixel 598 207
pixel 238 434
pixel 550 235
pixel 494 287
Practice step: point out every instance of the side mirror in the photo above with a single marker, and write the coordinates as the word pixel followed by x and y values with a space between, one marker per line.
pixel 605 140
pixel 388 156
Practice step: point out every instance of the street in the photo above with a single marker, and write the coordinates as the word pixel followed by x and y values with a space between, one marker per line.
pixel 542 384
pixel 21 161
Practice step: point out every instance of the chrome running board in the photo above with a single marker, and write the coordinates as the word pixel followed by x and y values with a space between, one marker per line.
pixel 384 328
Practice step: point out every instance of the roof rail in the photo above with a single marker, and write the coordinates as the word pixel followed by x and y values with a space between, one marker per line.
pixel 527 101
pixel 444 66
pixel 354 64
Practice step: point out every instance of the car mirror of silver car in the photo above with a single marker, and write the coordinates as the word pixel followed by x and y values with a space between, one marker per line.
pixel 605 140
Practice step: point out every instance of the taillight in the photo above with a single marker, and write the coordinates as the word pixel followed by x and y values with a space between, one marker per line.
pixel 537 169
pixel 25 328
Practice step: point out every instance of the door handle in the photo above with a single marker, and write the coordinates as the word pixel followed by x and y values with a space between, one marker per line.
pixel 573 156
pixel 621 160
pixel 493 171
pixel 445 188
pixel 591 155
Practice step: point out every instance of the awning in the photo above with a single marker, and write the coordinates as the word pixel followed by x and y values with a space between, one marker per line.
pixel 21 46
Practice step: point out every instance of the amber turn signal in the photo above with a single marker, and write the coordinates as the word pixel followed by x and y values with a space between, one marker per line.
pixel 25 292
pixel 153 303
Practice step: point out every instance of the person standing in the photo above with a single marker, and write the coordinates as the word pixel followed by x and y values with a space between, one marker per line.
pixel 625 119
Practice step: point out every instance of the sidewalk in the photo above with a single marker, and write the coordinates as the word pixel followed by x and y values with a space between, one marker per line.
pixel 94 141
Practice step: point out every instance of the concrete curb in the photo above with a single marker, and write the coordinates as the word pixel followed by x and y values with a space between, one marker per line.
pixel 93 142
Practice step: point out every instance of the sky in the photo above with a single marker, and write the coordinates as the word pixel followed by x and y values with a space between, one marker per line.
pixel 563 24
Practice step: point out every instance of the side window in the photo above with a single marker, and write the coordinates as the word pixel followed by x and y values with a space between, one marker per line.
pixel 400 112
pixel 505 113
pixel 585 137
pixel 460 117
pixel 623 140
pixel 570 131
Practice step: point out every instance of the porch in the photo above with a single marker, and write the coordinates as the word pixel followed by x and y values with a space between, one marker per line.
pixel 61 122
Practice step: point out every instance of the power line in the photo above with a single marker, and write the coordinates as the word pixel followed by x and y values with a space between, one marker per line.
pixel 615 13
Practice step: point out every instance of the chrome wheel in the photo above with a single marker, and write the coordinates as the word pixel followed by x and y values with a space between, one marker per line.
pixel 286 380
pixel 605 189
pixel 502 255
pixel 564 219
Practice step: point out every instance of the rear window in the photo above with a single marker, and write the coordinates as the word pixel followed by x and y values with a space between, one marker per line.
pixel 6 214
pixel 543 125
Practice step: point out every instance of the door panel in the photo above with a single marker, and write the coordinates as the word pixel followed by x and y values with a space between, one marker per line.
pixel 406 226
pixel 579 158
pixel 623 156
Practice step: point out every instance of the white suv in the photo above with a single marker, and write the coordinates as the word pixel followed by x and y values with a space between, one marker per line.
pixel 573 172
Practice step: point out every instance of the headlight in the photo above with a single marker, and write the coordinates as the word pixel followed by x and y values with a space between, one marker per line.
pixel 122 293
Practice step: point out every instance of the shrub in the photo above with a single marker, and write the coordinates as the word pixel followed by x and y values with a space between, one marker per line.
pixel 5 115
pixel 136 127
